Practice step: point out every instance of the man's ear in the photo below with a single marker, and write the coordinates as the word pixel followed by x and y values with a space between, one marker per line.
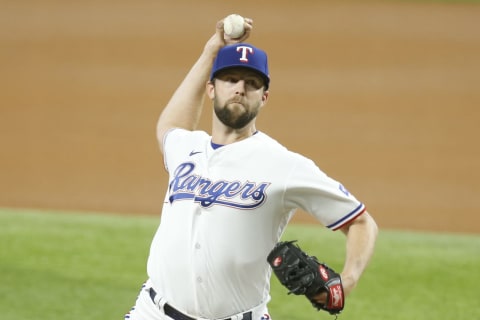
pixel 210 89
pixel 265 97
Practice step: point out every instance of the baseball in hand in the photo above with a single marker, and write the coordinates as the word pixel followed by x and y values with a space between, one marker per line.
pixel 233 25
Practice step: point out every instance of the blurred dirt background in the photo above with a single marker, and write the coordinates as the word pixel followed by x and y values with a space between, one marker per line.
pixel 384 96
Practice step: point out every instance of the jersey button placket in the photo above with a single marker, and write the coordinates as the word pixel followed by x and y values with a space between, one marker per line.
pixel 199 261
pixel 197 249
pixel 198 253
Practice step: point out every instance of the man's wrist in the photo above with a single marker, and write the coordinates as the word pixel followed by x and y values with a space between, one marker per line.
pixel 348 283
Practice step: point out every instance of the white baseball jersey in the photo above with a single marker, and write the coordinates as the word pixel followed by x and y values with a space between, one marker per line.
pixel 224 211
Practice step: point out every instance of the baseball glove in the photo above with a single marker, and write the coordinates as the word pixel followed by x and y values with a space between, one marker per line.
pixel 302 274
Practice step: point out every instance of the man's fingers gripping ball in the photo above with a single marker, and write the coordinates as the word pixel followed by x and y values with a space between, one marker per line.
pixel 234 26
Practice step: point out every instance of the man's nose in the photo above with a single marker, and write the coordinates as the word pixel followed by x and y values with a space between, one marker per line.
pixel 240 87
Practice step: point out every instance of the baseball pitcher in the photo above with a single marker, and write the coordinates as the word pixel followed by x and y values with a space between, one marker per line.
pixel 231 194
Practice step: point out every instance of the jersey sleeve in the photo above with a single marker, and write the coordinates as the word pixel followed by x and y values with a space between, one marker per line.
pixel 328 200
pixel 167 145
pixel 178 143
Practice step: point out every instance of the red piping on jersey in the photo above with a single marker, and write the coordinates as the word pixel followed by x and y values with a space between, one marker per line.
pixel 348 221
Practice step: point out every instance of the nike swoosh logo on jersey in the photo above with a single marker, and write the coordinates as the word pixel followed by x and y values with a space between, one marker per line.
pixel 193 152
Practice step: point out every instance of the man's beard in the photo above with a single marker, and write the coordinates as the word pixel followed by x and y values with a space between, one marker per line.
pixel 234 119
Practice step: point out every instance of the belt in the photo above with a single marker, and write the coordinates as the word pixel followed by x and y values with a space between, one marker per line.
pixel 177 315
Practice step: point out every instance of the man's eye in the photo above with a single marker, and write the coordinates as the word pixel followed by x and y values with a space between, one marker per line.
pixel 254 83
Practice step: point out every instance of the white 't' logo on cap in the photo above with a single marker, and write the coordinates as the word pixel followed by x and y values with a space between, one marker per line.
pixel 245 51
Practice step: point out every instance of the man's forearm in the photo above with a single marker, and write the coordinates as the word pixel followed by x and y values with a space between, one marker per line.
pixel 185 107
pixel 361 237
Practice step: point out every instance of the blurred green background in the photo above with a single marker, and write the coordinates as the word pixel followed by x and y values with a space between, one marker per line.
pixel 74 265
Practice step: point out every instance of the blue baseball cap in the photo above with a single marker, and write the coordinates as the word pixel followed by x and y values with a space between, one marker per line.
pixel 242 55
